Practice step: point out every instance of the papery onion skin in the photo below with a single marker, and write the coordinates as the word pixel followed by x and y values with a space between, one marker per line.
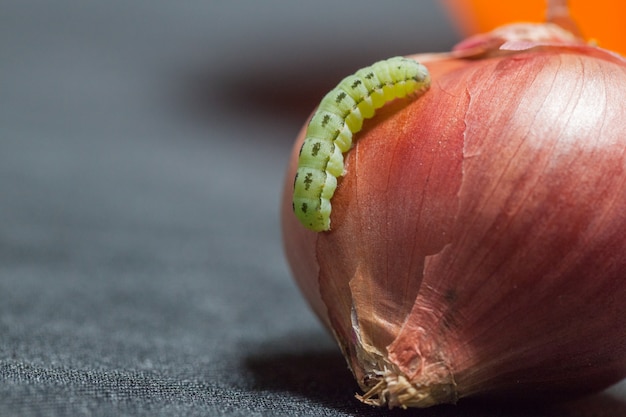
pixel 479 234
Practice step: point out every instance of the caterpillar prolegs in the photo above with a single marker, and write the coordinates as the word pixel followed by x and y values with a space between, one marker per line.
pixel 329 133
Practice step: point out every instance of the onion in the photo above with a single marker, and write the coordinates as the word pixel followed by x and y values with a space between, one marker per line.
pixel 478 241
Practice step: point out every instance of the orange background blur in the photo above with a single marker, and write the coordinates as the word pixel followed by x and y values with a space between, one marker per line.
pixel 600 20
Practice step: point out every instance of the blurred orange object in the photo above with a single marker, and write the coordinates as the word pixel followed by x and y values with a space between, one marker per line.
pixel 599 20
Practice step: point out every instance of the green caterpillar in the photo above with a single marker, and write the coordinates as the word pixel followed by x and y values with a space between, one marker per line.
pixel 329 133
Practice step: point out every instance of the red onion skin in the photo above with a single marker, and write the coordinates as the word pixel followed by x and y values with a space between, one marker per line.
pixel 478 238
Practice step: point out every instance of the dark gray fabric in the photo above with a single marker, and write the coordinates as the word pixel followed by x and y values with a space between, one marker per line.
pixel 142 151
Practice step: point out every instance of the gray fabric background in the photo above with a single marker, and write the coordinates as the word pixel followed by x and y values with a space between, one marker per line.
pixel 142 151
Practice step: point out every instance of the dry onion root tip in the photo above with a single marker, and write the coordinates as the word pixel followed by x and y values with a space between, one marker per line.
pixel 394 390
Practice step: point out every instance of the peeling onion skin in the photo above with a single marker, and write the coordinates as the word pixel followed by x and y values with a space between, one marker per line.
pixel 478 245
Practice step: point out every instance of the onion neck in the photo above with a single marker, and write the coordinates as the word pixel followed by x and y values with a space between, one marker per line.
pixel 558 13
